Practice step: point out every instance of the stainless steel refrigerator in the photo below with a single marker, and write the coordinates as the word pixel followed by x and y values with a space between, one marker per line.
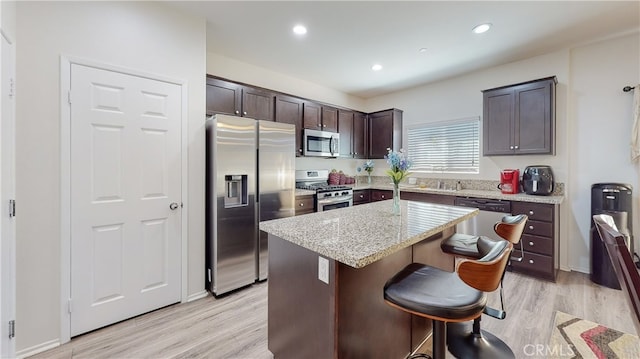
pixel 250 177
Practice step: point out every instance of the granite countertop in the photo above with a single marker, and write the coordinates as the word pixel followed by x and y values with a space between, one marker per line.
pixel 360 235
pixel 521 197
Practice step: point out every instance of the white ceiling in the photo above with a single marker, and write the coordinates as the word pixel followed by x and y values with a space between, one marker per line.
pixel 345 38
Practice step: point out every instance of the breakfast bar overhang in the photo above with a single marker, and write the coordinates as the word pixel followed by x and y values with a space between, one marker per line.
pixel 327 271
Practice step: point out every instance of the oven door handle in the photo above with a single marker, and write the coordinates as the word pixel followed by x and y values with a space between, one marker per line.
pixel 335 200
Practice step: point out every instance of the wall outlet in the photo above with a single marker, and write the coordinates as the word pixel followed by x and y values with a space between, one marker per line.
pixel 323 269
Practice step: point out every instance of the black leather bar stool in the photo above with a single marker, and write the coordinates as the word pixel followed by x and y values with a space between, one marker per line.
pixel 465 245
pixel 448 296
pixel 475 342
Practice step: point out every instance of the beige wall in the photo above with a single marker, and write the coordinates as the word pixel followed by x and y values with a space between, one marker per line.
pixel 600 118
pixel 222 66
pixel 141 36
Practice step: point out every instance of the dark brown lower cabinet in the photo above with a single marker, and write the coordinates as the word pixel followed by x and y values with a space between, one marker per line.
pixel 361 196
pixel 538 244
pixel 304 204
pixel 381 195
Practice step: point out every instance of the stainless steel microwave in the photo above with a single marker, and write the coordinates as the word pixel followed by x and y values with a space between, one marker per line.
pixel 321 143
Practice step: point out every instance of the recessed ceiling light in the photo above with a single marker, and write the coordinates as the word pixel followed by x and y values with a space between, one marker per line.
pixel 481 28
pixel 299 30
pixel 376 67
pixel 422 50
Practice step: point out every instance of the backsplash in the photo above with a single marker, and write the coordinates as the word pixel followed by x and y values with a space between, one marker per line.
pixel 349 166
pixel 450 183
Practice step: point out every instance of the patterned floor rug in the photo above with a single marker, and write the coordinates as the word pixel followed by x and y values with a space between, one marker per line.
pixel 578 338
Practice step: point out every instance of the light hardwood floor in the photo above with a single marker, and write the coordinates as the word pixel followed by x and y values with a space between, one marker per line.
pixel 235 327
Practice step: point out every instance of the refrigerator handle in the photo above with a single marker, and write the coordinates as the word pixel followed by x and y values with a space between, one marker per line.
pixel 257 172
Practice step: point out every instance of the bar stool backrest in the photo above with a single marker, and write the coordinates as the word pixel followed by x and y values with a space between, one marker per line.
pixel 511 227
pixel 484 274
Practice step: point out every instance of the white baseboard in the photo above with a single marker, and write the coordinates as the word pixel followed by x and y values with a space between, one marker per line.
pixel 36 349
pixel 196 296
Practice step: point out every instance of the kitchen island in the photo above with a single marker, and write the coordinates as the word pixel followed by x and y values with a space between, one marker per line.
pixel 327 271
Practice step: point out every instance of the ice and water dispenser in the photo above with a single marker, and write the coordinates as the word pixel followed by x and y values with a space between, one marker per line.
pixel 615 200
pixel 236 194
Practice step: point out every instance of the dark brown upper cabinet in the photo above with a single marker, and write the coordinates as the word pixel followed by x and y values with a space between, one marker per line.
pixel 345 128
pixel 312 116
pixel 360 135
pixel 320 117
pixel 385 131
pixel 289 110
pixel 329 119
pixel 520 119
pixel 224 97
pixel 351 126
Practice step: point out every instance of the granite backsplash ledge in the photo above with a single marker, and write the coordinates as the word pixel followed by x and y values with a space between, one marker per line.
pixel 450 183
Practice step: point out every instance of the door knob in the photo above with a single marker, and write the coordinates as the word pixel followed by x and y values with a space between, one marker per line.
pixel 173 206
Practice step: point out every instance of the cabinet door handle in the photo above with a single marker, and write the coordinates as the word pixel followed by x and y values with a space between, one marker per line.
pixel 510 147
pixel 531 213
pixel 244 113
pixel 324 125
pixel 382 196
pixel 301 204
pixel 237 112
pixel 530 261
pixel 361 196
pixel 319 125
pixel 530 227
pixel 531 244
pixel 300 150
pixel 355 153
pixel 516 147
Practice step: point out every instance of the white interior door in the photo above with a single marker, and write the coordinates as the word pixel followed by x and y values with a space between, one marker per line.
pixel 125 196
pixel 7 181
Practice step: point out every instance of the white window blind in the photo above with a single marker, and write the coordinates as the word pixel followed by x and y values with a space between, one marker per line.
pixel 445 147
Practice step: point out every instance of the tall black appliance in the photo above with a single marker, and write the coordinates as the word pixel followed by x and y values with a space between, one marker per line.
pixel 613 199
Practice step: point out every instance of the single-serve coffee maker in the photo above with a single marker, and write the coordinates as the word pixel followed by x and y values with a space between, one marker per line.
pixel 509 181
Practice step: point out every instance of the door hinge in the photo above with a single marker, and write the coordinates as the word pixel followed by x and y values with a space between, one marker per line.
pixel 12 329
pixel 12 87
pixel 12 208
pixel 69 307
pixel 69 97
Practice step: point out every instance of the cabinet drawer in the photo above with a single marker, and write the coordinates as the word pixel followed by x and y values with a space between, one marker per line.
pixel 304 205
pixel 533 264
pixel 535 244
pixel 538 228
pixel 380 195
pixel 535 211
pixel 361 196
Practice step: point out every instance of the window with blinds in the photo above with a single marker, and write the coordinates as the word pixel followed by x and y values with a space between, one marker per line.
pixel 445 147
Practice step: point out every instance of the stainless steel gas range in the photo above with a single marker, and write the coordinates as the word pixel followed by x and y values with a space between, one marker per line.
pixel 327 196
